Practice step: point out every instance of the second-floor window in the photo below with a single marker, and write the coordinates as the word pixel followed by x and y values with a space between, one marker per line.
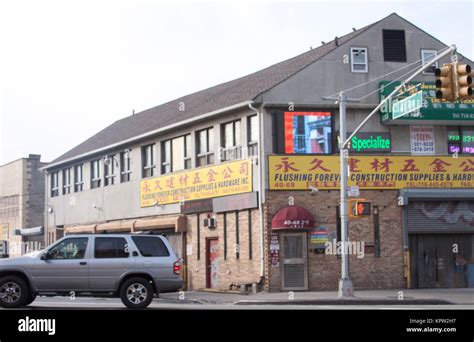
pixel 125 166
pixel 95 174
pixel 176 154
pixel 205 147
pixel 359 62
pixel 78 180
pixel 67 181
pixel 231 141
pixel 54 184
pixel 148 161
pixel 252 134
pixel 109 170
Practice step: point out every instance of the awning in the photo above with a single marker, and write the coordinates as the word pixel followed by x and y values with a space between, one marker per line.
pixel 293 217
pixel 178 223
pixel 86 229
pixel 116 226
pixel 29 231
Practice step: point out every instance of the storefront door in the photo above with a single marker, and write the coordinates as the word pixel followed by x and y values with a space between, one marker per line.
pixel 212 263
pixel 294 261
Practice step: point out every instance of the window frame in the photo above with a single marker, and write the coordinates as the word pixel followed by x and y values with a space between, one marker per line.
pixel 209 154
pixel 366 62
pixel 405 56
pixel 252 145
pixel 54 184
pixel 67 186
pixel 148 166
pixel 64 242
pixel 233 152
pixel 167 164
pixel 109 170
pixel 95 181
pixel 112 238
pixel 78 183
pixel 125 166
pixel 423 62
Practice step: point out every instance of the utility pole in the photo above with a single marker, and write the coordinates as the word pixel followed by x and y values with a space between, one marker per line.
pixel 346 288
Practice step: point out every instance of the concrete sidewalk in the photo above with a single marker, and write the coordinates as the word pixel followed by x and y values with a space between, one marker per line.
pixel 362 297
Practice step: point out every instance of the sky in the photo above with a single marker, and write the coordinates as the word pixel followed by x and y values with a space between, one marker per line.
pixel 70 68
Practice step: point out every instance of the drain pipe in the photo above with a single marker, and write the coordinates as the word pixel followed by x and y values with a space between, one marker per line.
pixel 261 190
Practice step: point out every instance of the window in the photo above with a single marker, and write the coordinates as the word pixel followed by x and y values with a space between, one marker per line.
pixel 359 61
pixel 109 170
pixel 426 57
pixel 74 248
pixel 176 154
pixel 394 49
pixel 148 164
pixel 461 140
pixel 78 180
pixel 302 132
pixel 95 174
pixel 54 184
pixel 205 147
pixel 231 141
pixel 252 134
pixel 67 181
pixel 125 167
pixel 150 246
pixel 108 248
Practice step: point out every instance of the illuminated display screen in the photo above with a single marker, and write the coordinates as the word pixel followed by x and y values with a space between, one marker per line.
pixel 461 140
pixel 307 132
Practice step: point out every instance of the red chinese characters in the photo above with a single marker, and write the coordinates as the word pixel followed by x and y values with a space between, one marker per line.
pixel 157 185
pixel 353 167
pixel 318 164
pixel 468 166
pixel 170 182
pixel 196 179
pixel 227 173
pixel 439 165
pixel 244 169
pixel 211 175
pixel 286 165
pixel 146 187
pixel 183 180
pixel 377 165
pixel 409 166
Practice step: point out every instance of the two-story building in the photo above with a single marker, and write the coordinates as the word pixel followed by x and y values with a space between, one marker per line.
pixel 243 179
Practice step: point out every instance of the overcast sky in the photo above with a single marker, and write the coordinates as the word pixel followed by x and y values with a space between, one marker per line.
pixel 70 68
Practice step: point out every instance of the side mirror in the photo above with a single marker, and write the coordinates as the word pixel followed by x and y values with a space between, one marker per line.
pixel 45 256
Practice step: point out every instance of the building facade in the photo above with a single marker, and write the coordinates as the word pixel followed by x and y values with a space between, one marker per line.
pixel 22 208
pixel 243 177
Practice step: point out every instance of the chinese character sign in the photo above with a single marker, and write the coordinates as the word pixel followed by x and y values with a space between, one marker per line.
pixel 371 172
pixel 207 182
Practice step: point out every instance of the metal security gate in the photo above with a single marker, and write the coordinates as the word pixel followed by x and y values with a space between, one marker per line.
pixel 441 238
pixel 294 261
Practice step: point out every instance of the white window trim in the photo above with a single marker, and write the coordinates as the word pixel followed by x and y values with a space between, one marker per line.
pixel 96 171
pixel 366 70
pixel 425 63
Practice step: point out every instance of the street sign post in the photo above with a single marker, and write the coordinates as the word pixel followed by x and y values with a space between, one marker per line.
pixel 407 105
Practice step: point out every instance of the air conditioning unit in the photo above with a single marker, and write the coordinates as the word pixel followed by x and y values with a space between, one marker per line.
pixel 210 222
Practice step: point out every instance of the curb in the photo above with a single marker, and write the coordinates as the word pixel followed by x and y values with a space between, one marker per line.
pixel 355 301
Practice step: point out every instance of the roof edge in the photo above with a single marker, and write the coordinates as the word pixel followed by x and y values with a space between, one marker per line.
pixel 148 134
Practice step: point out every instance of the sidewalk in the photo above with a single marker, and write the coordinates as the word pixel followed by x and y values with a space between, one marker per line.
pixel 362 297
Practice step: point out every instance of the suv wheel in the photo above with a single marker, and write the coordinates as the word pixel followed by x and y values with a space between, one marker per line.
pixel 31 298
pixel 13 292
pixel 136 293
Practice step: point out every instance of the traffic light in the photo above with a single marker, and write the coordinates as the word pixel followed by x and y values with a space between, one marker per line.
pixel 444 82
pixel 463 81
pixel 359 208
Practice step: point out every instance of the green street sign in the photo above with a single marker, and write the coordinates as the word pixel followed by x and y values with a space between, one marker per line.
pixel 408 105
pixel 432 109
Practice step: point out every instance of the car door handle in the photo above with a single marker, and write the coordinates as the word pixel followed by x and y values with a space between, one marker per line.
pixel 83 263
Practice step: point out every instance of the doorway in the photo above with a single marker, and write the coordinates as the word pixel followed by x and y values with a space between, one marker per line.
pixel 294 261
pixel 212 263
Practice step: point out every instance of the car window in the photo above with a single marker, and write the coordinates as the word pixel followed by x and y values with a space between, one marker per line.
pixel 110 247
pixel 74 248
pixel 151 246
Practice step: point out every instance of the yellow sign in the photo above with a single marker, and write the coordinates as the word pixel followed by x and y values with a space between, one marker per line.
pixel 371 172
pixel 214 181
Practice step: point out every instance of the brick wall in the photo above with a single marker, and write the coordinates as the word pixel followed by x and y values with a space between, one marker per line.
pixel 231 270
pixel 369 272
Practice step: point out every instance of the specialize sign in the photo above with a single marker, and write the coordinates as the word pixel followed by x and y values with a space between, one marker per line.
pixel 207 182
pixel 370 142
pixel 371 172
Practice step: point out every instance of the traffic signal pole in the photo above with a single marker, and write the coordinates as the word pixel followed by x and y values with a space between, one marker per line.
pixel 346 288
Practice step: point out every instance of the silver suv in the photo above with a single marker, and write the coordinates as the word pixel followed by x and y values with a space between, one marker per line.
pixel 133 267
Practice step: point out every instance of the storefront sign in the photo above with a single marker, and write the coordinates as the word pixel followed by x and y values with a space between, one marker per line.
pixel 4 231
pixel 207 182
pixel 319 237
pixel 274 250
pixel 371 172
pixel 370 142
pixel 236 202
pixel 432 109
pixel 198 206
pixel 422 140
